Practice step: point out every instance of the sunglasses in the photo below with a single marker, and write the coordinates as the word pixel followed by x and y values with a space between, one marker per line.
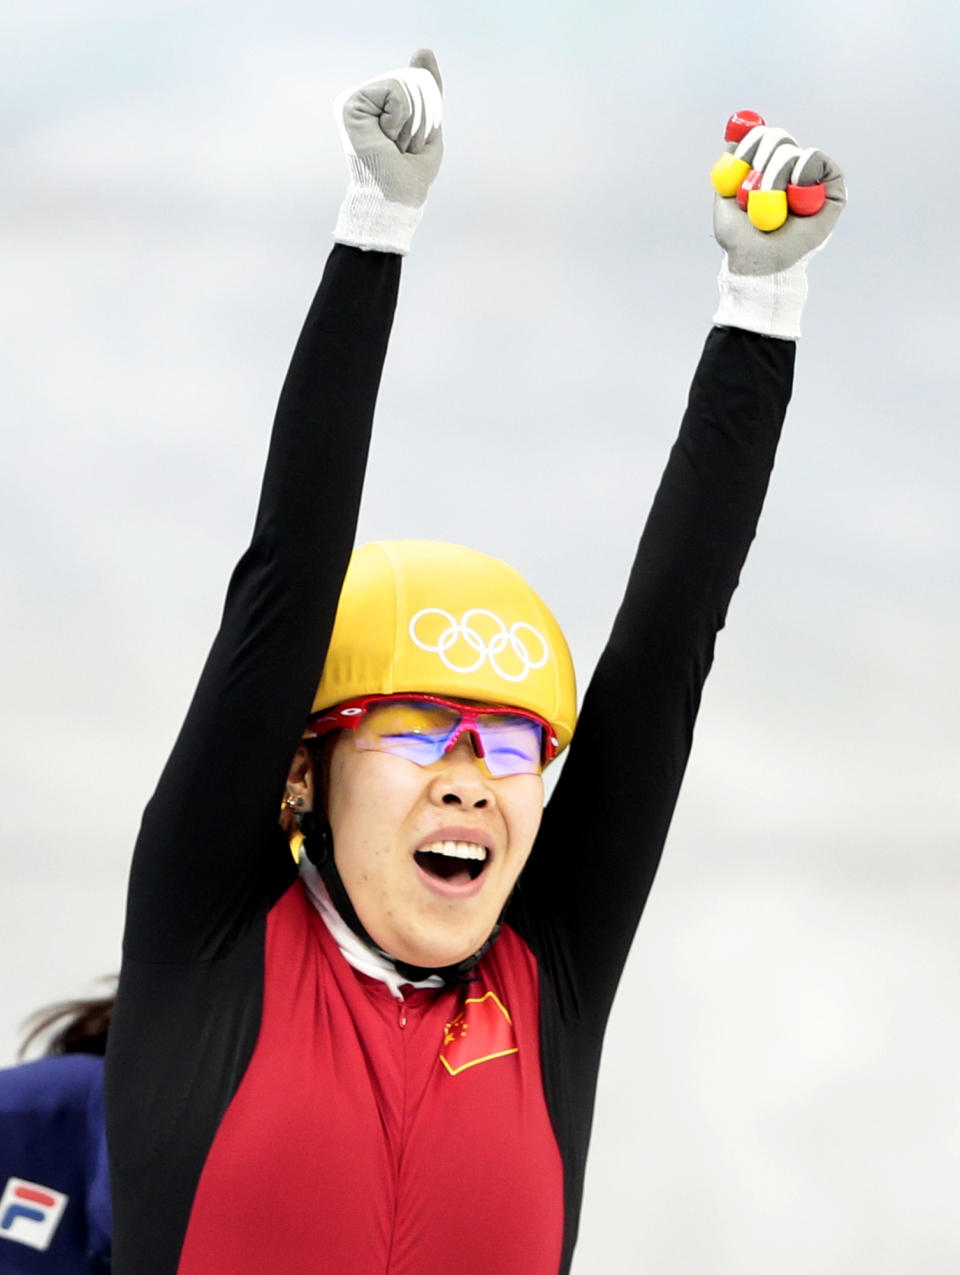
pixel 422 728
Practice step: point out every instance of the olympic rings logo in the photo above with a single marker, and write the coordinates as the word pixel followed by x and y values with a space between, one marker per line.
pixel 501 640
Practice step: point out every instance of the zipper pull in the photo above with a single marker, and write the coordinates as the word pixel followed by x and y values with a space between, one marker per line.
pixel 403 1012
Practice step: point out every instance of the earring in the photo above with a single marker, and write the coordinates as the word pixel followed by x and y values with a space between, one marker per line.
pixel 293 803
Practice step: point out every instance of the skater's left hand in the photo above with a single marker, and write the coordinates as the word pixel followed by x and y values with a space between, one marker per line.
pixel 763 284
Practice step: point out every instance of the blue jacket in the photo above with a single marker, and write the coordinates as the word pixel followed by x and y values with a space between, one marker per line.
pixel 55 1201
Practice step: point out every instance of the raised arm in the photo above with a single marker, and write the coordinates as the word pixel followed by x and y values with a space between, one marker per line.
pixel 585 887
pixel 210 855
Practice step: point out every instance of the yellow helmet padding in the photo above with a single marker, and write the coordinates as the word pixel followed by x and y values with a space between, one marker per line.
pixel 423 615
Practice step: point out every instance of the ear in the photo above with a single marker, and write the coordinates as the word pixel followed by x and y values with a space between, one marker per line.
pixel 300 784
pixel 298 791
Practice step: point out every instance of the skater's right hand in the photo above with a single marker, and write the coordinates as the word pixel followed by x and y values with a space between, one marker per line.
pixel 391 132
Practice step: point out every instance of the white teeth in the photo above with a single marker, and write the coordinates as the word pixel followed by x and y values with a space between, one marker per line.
pixel 456 849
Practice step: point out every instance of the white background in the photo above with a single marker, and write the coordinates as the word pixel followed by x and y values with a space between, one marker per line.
pixel 779 1087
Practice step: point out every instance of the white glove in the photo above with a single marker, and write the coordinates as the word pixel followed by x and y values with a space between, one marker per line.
pixel 390 129
pixel 763 279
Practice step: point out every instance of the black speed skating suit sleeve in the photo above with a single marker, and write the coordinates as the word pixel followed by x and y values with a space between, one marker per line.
pixel 585 886
pixel 210 851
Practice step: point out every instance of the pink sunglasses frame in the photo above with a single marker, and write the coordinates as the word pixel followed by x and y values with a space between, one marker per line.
pixel 350 714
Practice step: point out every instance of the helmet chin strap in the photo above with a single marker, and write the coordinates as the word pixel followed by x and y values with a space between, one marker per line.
pixel 319 848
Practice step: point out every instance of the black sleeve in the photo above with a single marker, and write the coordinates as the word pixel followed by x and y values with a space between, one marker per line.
pixel 585 886
pixel 210 855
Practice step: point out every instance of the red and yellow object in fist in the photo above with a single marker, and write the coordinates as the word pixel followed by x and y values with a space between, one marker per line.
pixel 767 209
pixel 750 182
pixel 806 201
pixel 769 193
pixel 739 125
pixel 728 173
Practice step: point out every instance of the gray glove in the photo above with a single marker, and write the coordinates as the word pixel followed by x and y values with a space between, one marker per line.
pixel 391 134
pixel 763 279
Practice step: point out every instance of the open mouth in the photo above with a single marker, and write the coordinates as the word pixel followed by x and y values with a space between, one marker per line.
pixel 456 862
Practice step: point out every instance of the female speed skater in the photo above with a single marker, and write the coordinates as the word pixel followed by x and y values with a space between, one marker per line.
pixel 383 1061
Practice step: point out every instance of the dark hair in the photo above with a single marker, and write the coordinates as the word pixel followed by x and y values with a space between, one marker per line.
pixel 81 1027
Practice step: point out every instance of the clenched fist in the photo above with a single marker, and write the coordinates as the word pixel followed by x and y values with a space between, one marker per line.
pixel 777 204
pixel 390 127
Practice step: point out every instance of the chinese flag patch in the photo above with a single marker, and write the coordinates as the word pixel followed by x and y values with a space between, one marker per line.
pixel 482 1031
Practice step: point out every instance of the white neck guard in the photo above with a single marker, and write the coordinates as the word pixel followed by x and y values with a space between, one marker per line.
pixel 368 960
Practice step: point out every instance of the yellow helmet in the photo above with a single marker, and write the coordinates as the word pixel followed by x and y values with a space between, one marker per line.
pixel 436 618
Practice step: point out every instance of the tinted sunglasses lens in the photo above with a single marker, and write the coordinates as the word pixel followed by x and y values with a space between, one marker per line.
pixel 511 745
pixel 416 732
